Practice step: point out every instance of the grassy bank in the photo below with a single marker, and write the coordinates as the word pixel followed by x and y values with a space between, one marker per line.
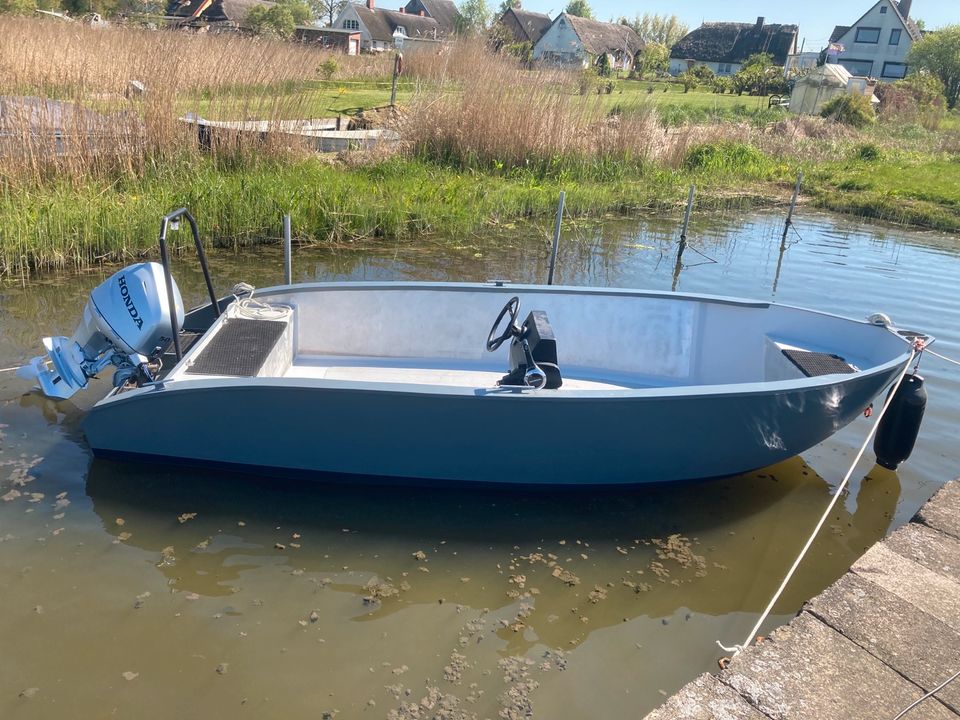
pixel 486 142
pixel 398 198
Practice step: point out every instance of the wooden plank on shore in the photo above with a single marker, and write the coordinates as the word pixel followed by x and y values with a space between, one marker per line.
pixel 809 671
pixel 916 645
pixel 930 591
pixel 706 698
pixel 943 511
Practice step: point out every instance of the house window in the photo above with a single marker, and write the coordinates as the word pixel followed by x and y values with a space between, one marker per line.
pixel 895 37
pixel 883 9
pixel 894 70
pixel 859 68
pixel 351 25
pixel 401 30
pixel 870 36
pixel 724 68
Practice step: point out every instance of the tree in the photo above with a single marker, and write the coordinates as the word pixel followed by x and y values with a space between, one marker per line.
pixel 652 59
pixel 506 5
pixel 327 9
pixel 756 75
pixel 280 19
pixel 580 8
pixel 939 54
pixel 653 28
pixel 474 17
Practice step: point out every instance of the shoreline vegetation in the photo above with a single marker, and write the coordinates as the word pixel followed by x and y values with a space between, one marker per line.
pixel 88 167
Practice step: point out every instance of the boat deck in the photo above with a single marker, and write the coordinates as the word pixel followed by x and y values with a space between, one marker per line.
pixel 420 371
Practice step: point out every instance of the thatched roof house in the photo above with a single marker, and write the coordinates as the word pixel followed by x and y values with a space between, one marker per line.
pixel 725 46
pixel 388 29
pixel 224 13
pixel 445 12
pixel 573 39
pixel 523 25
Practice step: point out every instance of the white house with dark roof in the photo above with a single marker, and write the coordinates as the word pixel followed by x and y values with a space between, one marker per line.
pixel 725 46
pixel 382 30
pixel 877 44
pixel 575 40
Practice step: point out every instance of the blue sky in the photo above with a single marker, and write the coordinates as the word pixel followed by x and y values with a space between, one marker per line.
pixel 816 18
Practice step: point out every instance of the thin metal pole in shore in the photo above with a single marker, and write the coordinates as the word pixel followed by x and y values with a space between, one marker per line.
pixel 287 252
pixel 686 215
pixel 556 237
pixel 793 205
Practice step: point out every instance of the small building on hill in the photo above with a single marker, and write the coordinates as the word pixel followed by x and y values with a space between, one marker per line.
pixel 725 46
pixel 519 26
pixel 223 14
pixel 877 44
pixel 819 87
pixel 575 40
pixel 445 12
pixel 382 30
pixel 336 39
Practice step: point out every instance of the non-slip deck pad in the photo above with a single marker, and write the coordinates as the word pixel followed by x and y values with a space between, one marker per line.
pixel 813 364
pixel 239 348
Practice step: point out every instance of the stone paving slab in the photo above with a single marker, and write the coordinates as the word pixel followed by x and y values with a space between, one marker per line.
pixel 808 671
pixel 706 698
pixel 931 592
pixel 930 548
pixel 913 643
pixel 942 512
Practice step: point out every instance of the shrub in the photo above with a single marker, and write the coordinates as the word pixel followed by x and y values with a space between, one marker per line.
pixel 917 99
pixel 854 110
pixel 327 68
pixel 726 157
pixel 869 152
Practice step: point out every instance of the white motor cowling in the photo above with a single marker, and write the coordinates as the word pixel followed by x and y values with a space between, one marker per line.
pixel 125 323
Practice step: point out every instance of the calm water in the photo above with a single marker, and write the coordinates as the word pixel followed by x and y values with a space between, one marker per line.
pixel 148 592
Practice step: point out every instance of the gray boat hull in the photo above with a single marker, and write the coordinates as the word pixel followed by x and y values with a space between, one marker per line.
pixel 317 427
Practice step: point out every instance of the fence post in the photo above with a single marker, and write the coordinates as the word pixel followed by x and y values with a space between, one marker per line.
pixel 556 237
pixel 287 252
pixel 793 205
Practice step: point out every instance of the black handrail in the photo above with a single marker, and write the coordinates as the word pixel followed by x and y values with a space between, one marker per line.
pixel 168 278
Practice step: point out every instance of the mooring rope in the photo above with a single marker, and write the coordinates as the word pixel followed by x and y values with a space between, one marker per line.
pixel 737 649
pixel 930 694
pixel 942 357
pixel 3 370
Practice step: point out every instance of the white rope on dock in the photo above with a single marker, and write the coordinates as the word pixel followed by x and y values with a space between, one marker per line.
pixel 930 694
pixel 737 649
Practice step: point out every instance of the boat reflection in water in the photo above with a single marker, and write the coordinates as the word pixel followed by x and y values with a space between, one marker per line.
pixel 732 541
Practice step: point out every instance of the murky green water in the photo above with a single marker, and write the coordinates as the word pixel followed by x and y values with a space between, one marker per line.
pixel 150 592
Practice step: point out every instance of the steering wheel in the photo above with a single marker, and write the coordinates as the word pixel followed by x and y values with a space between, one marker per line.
pixel 494 341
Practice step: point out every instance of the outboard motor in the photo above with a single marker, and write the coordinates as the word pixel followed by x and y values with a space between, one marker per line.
pixel 126 323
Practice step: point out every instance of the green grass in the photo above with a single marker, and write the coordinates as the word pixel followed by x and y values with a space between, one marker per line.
pixel 64 225
pixel 916 191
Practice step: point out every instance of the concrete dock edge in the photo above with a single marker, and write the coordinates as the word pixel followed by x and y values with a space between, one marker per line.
pixel 882 636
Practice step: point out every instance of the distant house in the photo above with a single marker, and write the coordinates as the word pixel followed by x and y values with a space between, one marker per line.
pixel 523 25
pixel 382 30
pixel 445 12
pixel 575 40
pixel 725 46
pixel 224 14
pixel 336 39
pixel 877 44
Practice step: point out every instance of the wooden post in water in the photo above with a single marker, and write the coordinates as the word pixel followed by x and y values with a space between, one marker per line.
pixel 287 252
pixel 556 237
pixel 793 205
pixel 682 245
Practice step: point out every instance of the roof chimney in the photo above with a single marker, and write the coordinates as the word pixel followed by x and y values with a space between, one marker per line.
pixel 371 4
pixel 760 21
pixel 422 14
pixel 905 7
pixel 403 10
